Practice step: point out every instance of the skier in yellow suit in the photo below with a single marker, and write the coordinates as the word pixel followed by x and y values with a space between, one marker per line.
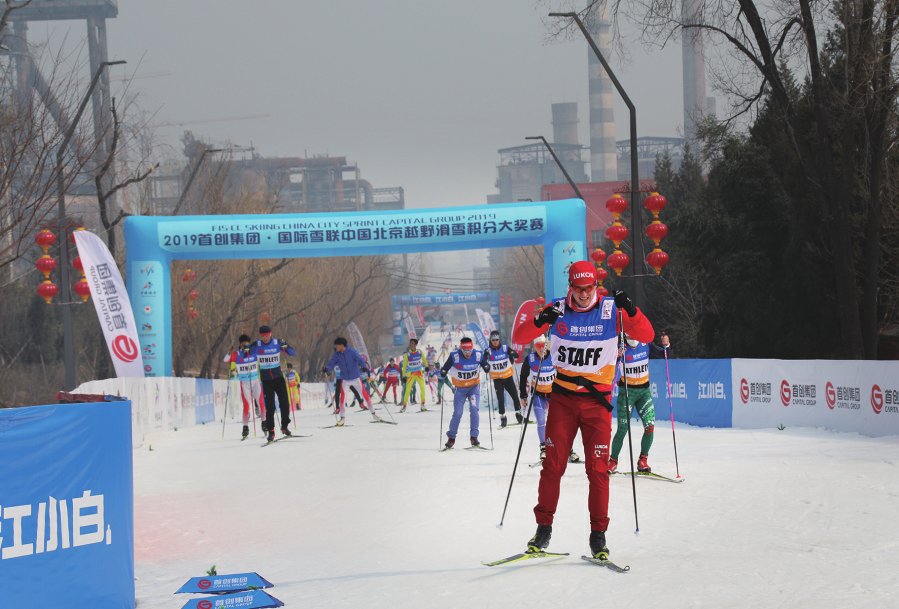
pixel 414 366
pixel 293 387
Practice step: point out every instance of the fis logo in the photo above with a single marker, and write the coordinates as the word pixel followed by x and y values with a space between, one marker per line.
pixel 569 249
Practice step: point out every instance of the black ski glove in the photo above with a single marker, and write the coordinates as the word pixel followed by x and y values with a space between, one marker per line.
pixel 623 301
pixel 548 315
pixel 523 394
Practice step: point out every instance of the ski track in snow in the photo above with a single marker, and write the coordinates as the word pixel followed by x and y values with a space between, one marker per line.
pixel 374 516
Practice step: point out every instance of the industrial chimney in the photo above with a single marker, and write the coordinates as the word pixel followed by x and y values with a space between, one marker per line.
pixel 603 154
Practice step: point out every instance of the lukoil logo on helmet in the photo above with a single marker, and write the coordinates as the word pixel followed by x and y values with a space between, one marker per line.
pixel 582 276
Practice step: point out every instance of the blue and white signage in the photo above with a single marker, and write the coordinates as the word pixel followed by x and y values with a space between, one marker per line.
pixel 153 242
pixel 66 506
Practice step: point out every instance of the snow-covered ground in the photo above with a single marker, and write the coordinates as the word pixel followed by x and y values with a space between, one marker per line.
pixel 374 516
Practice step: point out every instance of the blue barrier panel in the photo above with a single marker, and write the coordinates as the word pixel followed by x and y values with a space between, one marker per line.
pixel 700 391
pixel 204 406
pixel 66 507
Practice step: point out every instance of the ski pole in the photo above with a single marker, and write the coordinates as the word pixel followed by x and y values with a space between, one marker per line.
pixel 440 442
pixel 671 413
pixel 627 404
pixel 490 418
pixel 517 457
pixel 225 411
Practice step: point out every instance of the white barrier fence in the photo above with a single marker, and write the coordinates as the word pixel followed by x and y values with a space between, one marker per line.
pixel 166 403
pixel 842 395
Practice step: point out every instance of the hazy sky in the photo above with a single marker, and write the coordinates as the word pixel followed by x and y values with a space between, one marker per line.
pixel 419 93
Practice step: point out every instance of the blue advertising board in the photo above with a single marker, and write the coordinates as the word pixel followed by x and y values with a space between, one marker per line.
pixel 66 506
pixel 700 391
pixel 205 404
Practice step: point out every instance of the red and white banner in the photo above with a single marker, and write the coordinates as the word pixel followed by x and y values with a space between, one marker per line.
pixel 112 304
pixel 525 314
pixel 485 320
pixel 410 327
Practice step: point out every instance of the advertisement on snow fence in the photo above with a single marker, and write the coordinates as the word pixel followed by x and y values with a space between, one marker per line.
pixel 252 599
pixel 204 405
pixel 219 584
pixel 700 391
pixel 66 508
pixel 859 396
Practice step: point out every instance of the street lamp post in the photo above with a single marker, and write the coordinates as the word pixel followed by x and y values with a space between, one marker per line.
pixel 193 174
pixel 65 289
pixel 558 163
pixel 636 218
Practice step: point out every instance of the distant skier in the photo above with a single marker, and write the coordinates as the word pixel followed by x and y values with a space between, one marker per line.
pixel 463 366
pixel 352 366
pixel 293 387
pixel 635 357
pixel 538 365
pixel 414 365
pixel 498 360
pixel 583 331
pixel 391 374
pixel 246 368
pixel 268 351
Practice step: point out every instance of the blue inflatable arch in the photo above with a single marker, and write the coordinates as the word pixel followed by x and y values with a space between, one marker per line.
pixel 153 242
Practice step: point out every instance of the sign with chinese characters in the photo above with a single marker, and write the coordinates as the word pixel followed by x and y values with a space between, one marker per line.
pixel 154 242
pixel 387 229
pixel 218 584
pixel 251 599
pixel 66 513
pixel 112 304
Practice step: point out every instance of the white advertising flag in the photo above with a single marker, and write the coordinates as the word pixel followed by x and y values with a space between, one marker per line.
pixel 410 327
pixel 357 341
pixel 112 304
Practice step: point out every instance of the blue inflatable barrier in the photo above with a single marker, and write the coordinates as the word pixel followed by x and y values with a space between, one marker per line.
pixel 153 242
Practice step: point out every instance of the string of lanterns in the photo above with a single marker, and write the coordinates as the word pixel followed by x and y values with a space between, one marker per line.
pixel 47 264
pixel 617 232
pixel 188 277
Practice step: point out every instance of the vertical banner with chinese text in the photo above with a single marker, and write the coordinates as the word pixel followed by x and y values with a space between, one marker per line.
pixel 112 304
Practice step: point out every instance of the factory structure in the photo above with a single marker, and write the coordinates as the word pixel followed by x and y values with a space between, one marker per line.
pixel 529 173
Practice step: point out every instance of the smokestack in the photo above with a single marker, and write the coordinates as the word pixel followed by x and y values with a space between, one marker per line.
pixel 565 123
pixel 603 154
pixel 694 69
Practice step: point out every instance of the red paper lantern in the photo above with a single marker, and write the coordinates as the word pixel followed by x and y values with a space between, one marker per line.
pixel 657 259
pixel 193 295
pixel 618 262
pixel 598 255
pixel 45 239
pixel 602 291
pixel 656 231
pixel 188 276
pixel 192 314
pixel 46 265
pixel 47 290
pixel 616 204
pixel 617 233
pixel 82 289
pixel 601 274
pixel 265 318
pixel 79 266
pixel 72 233
pixel 655 203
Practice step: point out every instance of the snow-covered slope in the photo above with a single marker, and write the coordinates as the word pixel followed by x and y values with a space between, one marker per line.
pixel 374 516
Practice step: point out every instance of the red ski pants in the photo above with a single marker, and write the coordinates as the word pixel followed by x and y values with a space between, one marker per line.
pixel 569 412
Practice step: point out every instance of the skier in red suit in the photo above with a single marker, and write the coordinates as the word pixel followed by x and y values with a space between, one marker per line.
pixel 584 329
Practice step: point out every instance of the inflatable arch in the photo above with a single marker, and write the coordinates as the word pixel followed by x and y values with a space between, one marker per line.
pixel 153 242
